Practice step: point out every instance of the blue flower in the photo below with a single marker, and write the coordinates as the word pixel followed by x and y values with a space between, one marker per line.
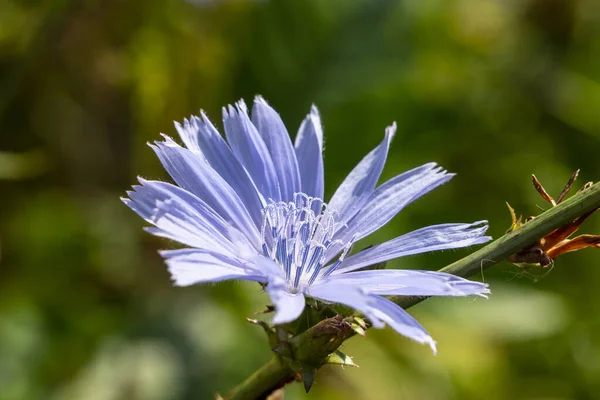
pixel 252 208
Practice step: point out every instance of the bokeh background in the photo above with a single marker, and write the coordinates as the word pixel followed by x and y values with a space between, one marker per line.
pixel 491 89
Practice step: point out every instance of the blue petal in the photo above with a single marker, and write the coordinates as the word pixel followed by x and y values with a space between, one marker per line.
pixel 181 216
pixel 288 306
pixel 378 309
pixel 251 150
pixel 194 174
pixel 403 282
pixel 309 151
pixel 431 238
pixel 276 137
pixel 358 186
pixel 189 136
pixel 200 136
pixel 191 266
pixel 386 201
pixel 401 321
pixel 392 196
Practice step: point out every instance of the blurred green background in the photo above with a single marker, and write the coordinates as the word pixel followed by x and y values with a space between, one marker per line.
pixel 491 89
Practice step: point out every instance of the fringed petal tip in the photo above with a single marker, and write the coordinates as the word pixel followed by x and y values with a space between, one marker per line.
pixel 168 140
pixel 480 224
pixel 170 253
pixel 241 106
pixel 157 145
pixel 314 111
pixel 177 279
pixel 480 227
pixel 483 239
pixel 484 293
pixel 259 99
pixel 390 131
pixel 432 344
pixel 233 110
pixel 478 292
pixel 423 339
pixel 151 229
pixel 446 175
pixel 142 181
pixel 178 282
pixel 463 287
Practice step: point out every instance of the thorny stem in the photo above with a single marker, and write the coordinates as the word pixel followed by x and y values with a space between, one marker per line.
pixel 275 373
pixel 264 381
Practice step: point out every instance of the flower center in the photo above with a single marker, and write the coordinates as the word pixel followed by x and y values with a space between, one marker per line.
pixel 297 235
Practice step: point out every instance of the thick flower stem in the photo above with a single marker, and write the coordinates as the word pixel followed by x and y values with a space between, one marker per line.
pixel 264 381
pixel 273 374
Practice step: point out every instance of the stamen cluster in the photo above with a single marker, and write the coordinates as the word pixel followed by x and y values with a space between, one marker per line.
pixel 297 234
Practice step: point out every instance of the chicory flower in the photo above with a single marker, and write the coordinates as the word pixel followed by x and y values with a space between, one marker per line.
pixel 251 207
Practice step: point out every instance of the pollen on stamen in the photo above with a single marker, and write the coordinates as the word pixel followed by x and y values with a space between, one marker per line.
pixel 297 235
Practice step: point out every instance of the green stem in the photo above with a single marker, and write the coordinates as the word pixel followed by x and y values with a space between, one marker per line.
pixel 264 381
pixel 274 375
pixel 540 226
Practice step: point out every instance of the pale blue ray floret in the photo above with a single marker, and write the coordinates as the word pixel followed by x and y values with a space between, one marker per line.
pixel 251 207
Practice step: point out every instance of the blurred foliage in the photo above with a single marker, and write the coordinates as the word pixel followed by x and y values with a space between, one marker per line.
pixel 493 90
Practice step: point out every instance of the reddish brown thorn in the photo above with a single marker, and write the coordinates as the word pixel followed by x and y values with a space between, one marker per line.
pixel 567 187
pixel 540 189
pixel 578 243
pixel 558 235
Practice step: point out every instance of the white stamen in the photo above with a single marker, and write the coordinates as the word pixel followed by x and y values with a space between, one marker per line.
pixel 297 236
